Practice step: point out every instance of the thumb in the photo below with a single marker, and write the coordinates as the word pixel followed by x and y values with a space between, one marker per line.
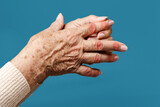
pixel 58 24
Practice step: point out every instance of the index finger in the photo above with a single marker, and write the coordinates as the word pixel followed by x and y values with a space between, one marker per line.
pixel 92 28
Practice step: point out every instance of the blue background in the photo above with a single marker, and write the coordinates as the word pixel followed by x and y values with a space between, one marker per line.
pixel 133 81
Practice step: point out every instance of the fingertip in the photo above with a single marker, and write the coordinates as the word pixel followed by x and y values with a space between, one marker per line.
pixel 100 73
pixel 111 22
pixel 115 58
pixel 96 73
pixel 59 17
pixel 123 48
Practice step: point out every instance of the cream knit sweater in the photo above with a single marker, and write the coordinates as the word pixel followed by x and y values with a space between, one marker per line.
pixel 13 86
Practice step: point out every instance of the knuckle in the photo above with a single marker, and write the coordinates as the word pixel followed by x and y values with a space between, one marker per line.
pixel 78 19
pixel 88 70
pixel 116 45
pixel 92 28
pixel 32 38
pixel 91 16
pixel 98 45
pixel 111 58
pixel 97 58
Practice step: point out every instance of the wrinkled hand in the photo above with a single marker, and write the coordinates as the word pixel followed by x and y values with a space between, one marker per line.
pixel 106 34
pixel 52 52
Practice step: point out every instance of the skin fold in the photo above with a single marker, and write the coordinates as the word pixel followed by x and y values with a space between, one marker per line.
pixel 57 51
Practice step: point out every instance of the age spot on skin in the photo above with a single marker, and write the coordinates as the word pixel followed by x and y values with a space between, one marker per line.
pixel 116 46
pixel 25 57
pixel 38 50
pixel 99 45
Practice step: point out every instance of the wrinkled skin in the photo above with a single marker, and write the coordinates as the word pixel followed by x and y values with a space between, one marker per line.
pixel 55 52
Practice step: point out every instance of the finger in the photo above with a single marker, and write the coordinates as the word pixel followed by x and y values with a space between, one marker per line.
pixel 85 20
pixel 110 38
pixel 92 28
pixel 104 34
pixel 103 45
pixel 91 58
pixel 58 24
pixel 87 71
pixel 95 38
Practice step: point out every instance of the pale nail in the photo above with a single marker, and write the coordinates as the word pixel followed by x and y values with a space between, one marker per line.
pixel 91 38
pixel 102 18
pixel 59 16
pixel 111 22
pixel 100 35
pixel 116 58
pixel 124 47
pixel 94 35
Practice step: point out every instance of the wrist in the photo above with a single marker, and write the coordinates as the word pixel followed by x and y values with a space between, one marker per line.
pixel 28 66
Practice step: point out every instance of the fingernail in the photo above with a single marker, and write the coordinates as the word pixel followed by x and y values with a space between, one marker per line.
pixel 59 16
pixel 111 22
pixel 91 38
pixel 102 18
pixel 124 47
pixel 116 58
pixel 93 35
pixel 110 38
pixel 100 35
pixel 100 73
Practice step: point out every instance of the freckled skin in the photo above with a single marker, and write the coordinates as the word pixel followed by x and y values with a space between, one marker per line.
pixel 56 53
pixel 25 57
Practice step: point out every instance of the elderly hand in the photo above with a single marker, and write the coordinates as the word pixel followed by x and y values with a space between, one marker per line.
pixel 52 52
pixel 106 34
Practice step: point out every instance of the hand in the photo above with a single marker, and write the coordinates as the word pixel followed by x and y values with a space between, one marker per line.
pixel 106 34
pixel 51 52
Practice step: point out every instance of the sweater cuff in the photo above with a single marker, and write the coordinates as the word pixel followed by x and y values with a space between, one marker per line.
pixel 13 86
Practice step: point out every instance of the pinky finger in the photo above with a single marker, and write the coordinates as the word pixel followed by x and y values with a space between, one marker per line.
pixel 88 71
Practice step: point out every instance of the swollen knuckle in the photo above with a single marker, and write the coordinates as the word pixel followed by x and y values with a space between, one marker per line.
pixel 116 45
pixel 111 58
pixel 97 58
pixel 98 45
pixel 92 28
pixel 88 70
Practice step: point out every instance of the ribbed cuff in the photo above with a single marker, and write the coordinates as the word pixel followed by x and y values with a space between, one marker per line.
pixel 13 86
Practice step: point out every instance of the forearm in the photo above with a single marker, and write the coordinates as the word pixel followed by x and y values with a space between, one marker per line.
pixel 28 64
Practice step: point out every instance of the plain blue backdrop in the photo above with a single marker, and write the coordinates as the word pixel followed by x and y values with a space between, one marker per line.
pixel 133 81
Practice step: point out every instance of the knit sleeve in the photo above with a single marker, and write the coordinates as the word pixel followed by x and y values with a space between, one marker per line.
pixel 13 86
